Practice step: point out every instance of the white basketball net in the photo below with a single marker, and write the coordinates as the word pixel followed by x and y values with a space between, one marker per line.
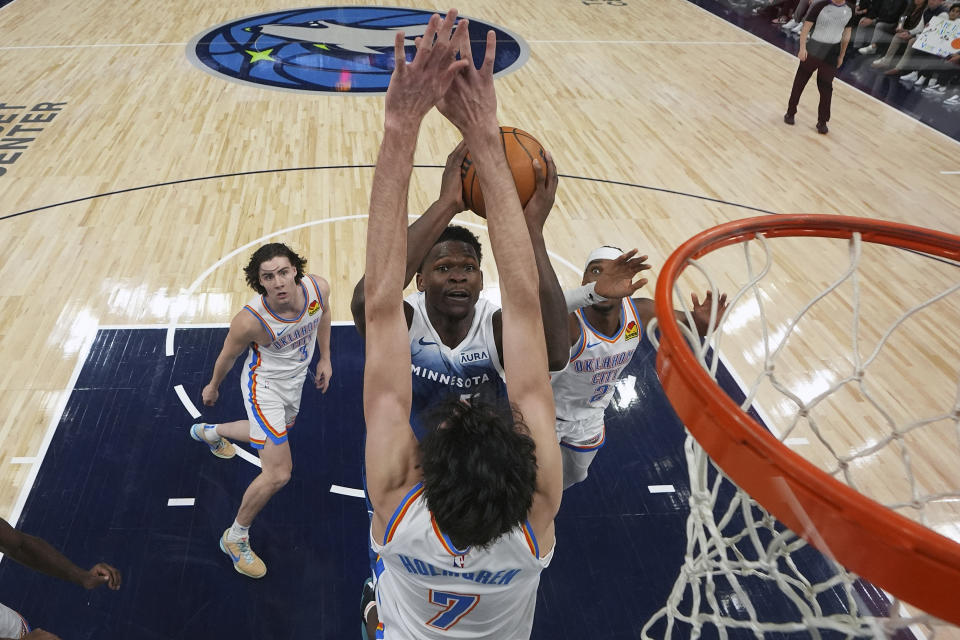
pixel 736 549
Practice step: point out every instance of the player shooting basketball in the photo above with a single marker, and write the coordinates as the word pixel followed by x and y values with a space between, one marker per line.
pixel 456 336
pixel 464 521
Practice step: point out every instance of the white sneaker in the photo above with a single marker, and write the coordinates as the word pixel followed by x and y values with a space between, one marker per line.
pixel 868 49
pixel 913 76
pixel 880 62
pixel 953 101
pixel 920 82
pixel 933 84
pixel 797 29
pixel 936 88
pixel 790 24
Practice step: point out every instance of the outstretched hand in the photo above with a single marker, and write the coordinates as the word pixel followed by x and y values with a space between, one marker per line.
pixel 100 574
pixel 417 86
pixel 541 202
pixel 701 312
pixel 617 281
pixel 471 101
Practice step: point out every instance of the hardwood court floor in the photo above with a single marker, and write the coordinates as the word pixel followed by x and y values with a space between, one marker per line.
pixel 128 205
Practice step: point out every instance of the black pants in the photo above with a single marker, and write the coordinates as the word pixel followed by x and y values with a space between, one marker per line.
pixel 825 73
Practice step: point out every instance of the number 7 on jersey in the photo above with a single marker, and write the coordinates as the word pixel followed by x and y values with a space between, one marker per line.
pixel 456 605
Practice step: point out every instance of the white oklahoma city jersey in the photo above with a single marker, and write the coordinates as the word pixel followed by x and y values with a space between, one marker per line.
pixel 585 387
pixel 292 340
pixel 429 590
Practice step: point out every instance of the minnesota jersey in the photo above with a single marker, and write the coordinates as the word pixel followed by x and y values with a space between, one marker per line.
pixel 292 340
pixel 427 589
pixel 471 368
pixel 585 387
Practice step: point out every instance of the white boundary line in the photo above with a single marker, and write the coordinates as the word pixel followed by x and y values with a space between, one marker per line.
pixel 82 356
pixel 249 457
pixel 346 491
pixel 181 502
pixel 905 613
pixel 114 327
pixel 186 402
pixel 743 387
pixel 661 488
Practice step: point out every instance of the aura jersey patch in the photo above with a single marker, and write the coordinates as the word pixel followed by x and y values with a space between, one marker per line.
pixel 335 49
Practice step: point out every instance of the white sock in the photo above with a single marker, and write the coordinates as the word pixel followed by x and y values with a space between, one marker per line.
pixel 210 433
pixel 237 532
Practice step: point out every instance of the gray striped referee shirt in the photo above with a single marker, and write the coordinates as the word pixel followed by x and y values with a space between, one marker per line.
pixel 829 20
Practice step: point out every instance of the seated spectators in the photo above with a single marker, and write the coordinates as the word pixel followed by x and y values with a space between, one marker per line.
pixel 785 11
pixel 796 22
pixel 878 24
pixel 932 53
pixel 946 76
pixel 911 23
pixel 953 100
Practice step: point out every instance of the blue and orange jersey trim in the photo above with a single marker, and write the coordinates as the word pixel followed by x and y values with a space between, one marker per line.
pixel 263 322
pixel 380 631
pixel 623 324
pixel 531 539
pixel 445 540
pixel 587 447
pixel 252 391
pixel 581 342
pixel 23 621
pixel 401 511
pixel 316 288
pixel 306 303
pixel 379 567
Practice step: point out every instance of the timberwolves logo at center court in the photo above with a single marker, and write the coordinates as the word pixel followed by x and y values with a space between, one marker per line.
pixel 330 49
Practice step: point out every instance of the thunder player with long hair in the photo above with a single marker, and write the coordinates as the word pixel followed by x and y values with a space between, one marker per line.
pixel 606 325
pixel 456 335
pixel 278 330
pixel 463 521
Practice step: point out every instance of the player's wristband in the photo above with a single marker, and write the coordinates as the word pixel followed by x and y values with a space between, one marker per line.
pixel 584 296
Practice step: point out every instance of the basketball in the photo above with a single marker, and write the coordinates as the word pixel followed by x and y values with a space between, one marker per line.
pixel 520 148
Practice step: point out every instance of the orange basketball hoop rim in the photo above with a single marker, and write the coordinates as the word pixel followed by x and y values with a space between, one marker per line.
pixel 895 553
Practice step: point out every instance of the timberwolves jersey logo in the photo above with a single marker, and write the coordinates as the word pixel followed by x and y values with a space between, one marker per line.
pixel 330 49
